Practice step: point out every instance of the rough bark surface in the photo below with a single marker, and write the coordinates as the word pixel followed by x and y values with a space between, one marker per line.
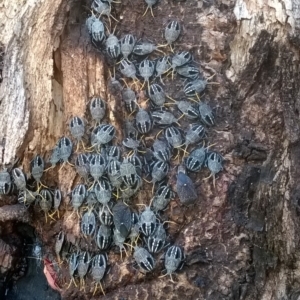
pixel 242 239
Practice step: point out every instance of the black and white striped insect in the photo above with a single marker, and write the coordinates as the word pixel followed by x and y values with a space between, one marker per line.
pixel 174 260
pixel 144 259
pixel 206 114
pixel 156 94
pixel 128 69
pixel 188 109
pixel 194 87
pixel 82 166
pixel 127 43
pixel 65 146
pixel 162 66
pixel 96 30
pixel 146 69
pixel 88 223
pixel 104 237
pixel 194 134
pixel 180 59
pixel 142 48
pixel 102 134
pixel 162 198
pixel 157 240
pixel 97 109
pixel 112 45
pixel 77 128
pixel 148 221
pixel 172 32
pixel 129 98
pixel 143 121
pixel 214 162
pixel 163 117
pixel 188 71
pixel 196 159
pixel 37 168
pixel 98 268
pixel 19 179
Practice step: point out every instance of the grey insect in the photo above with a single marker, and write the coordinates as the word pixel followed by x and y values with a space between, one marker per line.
pixel 114 85
pixel 174 137
pixel 104 237
pixel 156 94
pixel 162 198
pixel 97 166
pixel 163 117
pixel 214 162
pixel 194 87
pixel 128 69
pixel 45 201
pixel 84 260
pixel 37 168
pixel 105 215
pixel 77 128
pixel 157 240
pixel 194 134
pixel 103 8
pixel 103 192
pixel 128 173
pixel 143 121
pixel 88 223
pixel 129 98
pixel 82 166
pixel 196 159
pixel 26 197
pixel 73 264
pixel 97 109
pixel 160 171
pixel 122 218
pixel 172 32
pixel 136 161
pixel 19 178
pixel 146 69
pixel 144 48
pixel 188 109
pixel 91 199
pixel 135 228
pixel 114 175
pixel 102 135
pixel 113 46
pixel 129 191
pixel 150 3
pixel 96 30
pixel 127 43
pixel 57 197
pixel 131 143
pixel 114 153
pixel 161 150
pixel 78 195
pixel 189 71
pixel 206 114
pixel 162 66
pixel 174 259
pixel 148 221
pixel 129 129
pixel 65 146
pixel 180 59
pixel 185 188
pixel 119 241
pixel 144 259
pixel 98 268
pixel 60 238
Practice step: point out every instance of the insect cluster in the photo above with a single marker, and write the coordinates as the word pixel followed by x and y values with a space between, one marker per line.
pixel 112 174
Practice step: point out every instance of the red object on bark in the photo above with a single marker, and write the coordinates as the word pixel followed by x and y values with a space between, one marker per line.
pixel 51 275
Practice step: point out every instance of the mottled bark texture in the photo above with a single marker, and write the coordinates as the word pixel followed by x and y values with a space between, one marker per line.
pixel 242 238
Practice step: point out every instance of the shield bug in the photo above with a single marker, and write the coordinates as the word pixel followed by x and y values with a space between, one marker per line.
pixel 128 69
pixel 73 264
pixel 163 117
pixel 113 46
pixel 129 98
pixel 143 121
pixel 57 197
pixel 162 66
pixel 105 215
pixel 156 94
pixel 157 240
pixel 174 259
pixel 45 201
pixel 122 218
pixel 99 264
pixel 26 197
pixel 161 150
pixel 103 8
pixel 206 114
pixel 162 198
pixel 148 221
pixel 37 168
pixel 174 137
pixel 159 171
pixel 214 162
pixel 114 153
pixel 65 146
pixel 97 109
pixel 77 128
pixel 55 156
pixel 103 192
pixel 82 166
pixel 150 3
pixel 195 159
pixel 194 134
pixel 102 135
pixel 96 31
pixel 128 173
pixel 180 59
pixel 78 195
pixel 88 223
pixel 97 166
pixel 104 237
pixel 127 43
pixel 114 175
pixel 84 260
pixel 119 241
pixel 172 32
pixel 188 71
pixel 185 188
pixel 144 259
pixel 146 69
pixel 19 178
pixel 194 87
pixel 60 238
pixel 143 48
pixel 129 191
pixel 188 109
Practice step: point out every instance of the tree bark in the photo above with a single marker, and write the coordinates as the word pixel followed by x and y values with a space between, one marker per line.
pixel 242 238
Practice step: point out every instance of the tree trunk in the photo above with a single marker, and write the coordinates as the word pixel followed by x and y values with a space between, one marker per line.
pixel 241 239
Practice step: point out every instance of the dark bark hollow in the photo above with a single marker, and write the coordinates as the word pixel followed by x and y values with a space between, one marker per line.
pixel 241 238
